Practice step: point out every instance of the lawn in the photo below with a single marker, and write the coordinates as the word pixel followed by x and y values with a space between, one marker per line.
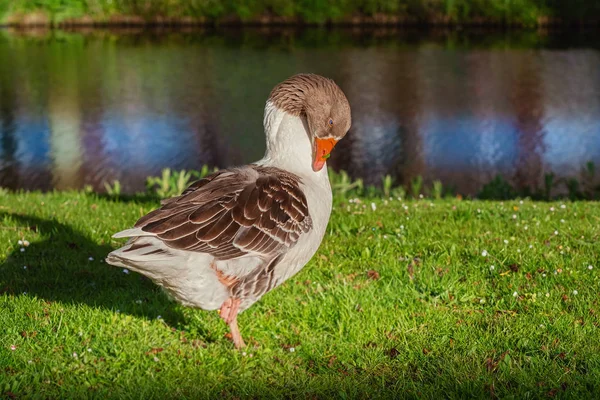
pixel 419 298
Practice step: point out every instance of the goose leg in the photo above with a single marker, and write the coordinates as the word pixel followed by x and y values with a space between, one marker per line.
pixel 228 313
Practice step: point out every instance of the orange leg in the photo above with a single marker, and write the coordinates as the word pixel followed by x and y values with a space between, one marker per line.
pixel 228 313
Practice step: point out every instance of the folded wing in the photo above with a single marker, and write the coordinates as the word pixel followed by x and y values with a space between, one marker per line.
pixel 232 213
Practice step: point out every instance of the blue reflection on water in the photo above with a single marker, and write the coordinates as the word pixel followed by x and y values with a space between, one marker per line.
pixel 459 115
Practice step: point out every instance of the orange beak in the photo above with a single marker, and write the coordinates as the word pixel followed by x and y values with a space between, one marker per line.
pixel 323 148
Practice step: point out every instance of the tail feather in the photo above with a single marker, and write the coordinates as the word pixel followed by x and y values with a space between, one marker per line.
pixel 131 233
pixel 144 254
pixel 186 277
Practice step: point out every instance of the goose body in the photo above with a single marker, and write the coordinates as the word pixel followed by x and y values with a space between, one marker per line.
pixel 235 235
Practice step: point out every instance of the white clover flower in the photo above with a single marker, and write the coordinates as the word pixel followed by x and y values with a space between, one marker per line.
pixel 74 355
pixel 159 317
pixel 20 242
pixel 156 359
pixel 552 209
pixel 25 243
pixel 492 268
pixel 22 249
pixel 373 206
pixel 575 292
pixel 515 294
pixel 514 216
pixel 505 241
pixel 91 258
pixel 484 253
pixel 125 271
pixel 590 267
pixel 556 232
pixel 563 206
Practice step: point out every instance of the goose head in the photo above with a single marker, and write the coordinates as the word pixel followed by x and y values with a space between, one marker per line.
pixel 323 108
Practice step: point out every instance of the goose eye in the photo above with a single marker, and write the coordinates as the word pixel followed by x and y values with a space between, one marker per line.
pixel 330 121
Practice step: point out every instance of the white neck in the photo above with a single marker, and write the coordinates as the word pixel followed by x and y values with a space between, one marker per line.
pixel 288 143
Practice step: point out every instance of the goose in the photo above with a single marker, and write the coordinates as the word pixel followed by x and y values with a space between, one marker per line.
pixel 237 234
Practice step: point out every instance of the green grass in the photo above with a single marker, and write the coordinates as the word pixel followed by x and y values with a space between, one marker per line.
pixel 398 301
pixel 514 12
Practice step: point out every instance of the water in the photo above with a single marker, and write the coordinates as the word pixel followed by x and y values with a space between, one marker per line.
pixel 90 107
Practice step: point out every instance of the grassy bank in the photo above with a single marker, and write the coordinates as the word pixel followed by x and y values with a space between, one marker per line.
pixel 441 298
pixel 479 12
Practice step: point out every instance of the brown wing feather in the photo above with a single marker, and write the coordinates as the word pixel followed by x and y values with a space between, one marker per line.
pixel 234 212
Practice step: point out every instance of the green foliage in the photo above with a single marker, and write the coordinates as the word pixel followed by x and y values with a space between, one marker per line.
pixel 113 189
pixel 173 183
pixel 517 12
pixel 398 192
pixel 497 189
pixel 438 190
pixel 387 185
pixel 372 7
pixel 590 189
pixel 583 188
pixel 342 184
pixel 548 185
pixel 416 186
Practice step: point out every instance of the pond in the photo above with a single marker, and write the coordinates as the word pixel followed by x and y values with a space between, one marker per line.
pixel 87 107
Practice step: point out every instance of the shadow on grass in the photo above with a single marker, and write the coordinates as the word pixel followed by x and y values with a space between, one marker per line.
pixel 68 267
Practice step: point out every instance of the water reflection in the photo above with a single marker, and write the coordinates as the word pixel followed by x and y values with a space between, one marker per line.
pixel 90 107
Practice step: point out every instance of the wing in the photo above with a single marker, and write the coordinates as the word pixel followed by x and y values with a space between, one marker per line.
pixel 231 213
